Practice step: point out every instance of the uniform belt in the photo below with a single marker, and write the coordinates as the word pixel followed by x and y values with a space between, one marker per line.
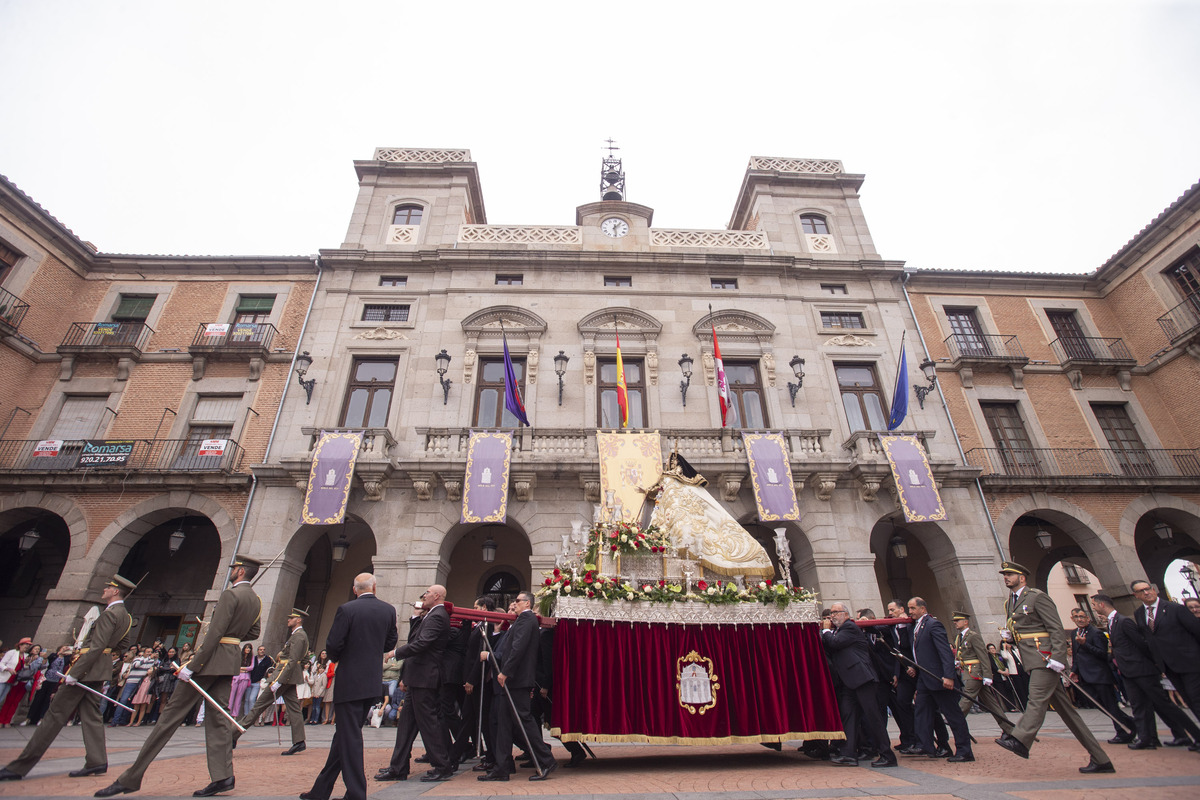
pixel 230 640
pixel 1034 635
pixel 971 661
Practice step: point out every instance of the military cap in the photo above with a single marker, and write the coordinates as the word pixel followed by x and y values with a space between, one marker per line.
pixel 1013 568
pixel 245 561
pixel 961 615
pixel 122 583
pixel 298 613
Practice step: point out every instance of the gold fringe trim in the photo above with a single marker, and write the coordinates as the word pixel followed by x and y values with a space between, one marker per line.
pixel 733 572
pixel 714 740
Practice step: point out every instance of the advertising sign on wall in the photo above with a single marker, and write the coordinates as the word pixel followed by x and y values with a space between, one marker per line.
pixel 106 453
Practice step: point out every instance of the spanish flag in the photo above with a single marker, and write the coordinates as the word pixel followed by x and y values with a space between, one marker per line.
pixel 722 383
pixel 622 389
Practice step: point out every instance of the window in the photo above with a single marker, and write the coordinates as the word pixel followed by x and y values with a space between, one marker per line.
pixel 609 414
pixel 724 283
pixel 813 223
pixel 509 280
pixel 1070 335
pixel 968 337
pixel 1074 574
pixel 213 418
pixel 614 280
pixel 1186 274
pixel 385 313
pixel 833 288
pixel 393 280
pixel 861 397
pixel 79 418
pixel 489 394
pixel 407 215
pixel 369 394
pixel 134 308
pixel 254 308
pixel 1123 438
pixel 747 409
pixel 8 260
pixel 842 319
pixel 1017 455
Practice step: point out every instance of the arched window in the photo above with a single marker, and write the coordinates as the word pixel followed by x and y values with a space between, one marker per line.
pixel 408 214
pixel 503 587
pixel 814 223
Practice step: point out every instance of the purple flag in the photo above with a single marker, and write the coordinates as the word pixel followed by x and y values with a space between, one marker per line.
pixel 512 393
pixel 330 477
pixel 771 474
pixel 485 488
pixel 915 486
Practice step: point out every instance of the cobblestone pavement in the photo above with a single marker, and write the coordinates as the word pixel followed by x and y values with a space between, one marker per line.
pixel 622 771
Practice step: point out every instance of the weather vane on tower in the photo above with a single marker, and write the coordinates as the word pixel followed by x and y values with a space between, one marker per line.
pixel 612 176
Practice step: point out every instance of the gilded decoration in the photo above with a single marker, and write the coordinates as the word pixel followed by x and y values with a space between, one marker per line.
pixel 916 487
pixel 696 683
pixel 763 477
pixel 630 463
pixel 477 473
pixel 354 439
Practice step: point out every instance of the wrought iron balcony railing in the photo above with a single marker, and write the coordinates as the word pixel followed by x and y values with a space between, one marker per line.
pixel 1091 350
pixel 135 455
pixel 984 347
pixel 1085 462
pixel 224 337
pixel 12 310
pixel 106 336
pixel 1182 319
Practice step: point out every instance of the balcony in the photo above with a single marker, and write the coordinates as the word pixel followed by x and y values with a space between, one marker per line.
pixel 12 312
pixel 239 341
pixel 122 341
pixel 1081 355
pixel 1183 321
pixel 972 352
pixel 80 463
pixel 1099 468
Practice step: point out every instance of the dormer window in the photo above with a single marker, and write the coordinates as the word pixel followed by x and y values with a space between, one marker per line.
pixel 814 223
pixel 408 215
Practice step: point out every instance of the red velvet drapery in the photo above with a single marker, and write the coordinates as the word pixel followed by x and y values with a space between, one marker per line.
pixel 620 682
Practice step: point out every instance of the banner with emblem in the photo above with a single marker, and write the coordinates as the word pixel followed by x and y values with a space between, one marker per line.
pixel 630 463
pixel 915 487
pixel 691 684
pixel 330 477
pixel 771 475
pixel 485 487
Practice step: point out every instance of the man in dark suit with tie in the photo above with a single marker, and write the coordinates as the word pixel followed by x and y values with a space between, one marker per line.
pixel 1090 666
pixel 517 654
pixel 1173 634
pixel 421 674
pixel 905 681
pixel 858 699
pixel 1142 684
pixel 931 650
pixel 362 631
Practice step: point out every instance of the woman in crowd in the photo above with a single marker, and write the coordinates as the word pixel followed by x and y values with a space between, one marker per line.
pixel 241 681
pixel 35 668
pixel 15 665
pixel 55 667
pixel 164 682
pixel 304 690
pixel 1002 671
pixel 328 699
pixel 142 671
pixel 317 680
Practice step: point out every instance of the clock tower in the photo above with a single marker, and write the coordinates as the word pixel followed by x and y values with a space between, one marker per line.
pixel 614 223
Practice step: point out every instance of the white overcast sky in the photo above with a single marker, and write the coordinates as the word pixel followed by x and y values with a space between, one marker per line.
pixel 1033 136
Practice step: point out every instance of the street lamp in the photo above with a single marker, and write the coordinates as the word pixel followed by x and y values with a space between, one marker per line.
pixel 685 366
pixel 303 362
pixel 929 370
pixel 899 547
pixel 560 369
pixel 489 550
pixel 442 360
pixel 797 365
pixel 1189 575
pixel 1043 538
pixel 175 541
pixel 340 548
pixel 28 539
pixel 1164 532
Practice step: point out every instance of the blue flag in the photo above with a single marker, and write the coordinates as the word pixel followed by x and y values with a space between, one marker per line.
pixel 512 395
pixel 900 395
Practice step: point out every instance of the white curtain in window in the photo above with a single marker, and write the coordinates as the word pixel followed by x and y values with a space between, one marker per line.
pixel 217 408
pixel 79 418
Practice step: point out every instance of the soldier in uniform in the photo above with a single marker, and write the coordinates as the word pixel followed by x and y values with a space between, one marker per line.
pixel 1036 628
pixel 211 668
pixel 975 667
pixel 284 676
pixel 92 667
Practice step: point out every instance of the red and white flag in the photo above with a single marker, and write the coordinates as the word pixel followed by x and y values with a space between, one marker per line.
pixel 722 384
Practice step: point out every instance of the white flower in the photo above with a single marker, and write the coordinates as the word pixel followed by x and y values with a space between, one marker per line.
pixel 712 590
pixel 646 588
pixel 629 596
pixel 762 584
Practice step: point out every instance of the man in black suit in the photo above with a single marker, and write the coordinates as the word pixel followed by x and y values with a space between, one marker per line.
pixel 422 677
pixel 478 694
pixel 1173 634
pixel 1089 666
pixel 858 700
pixel 905 681
pixel 406 721
pixel 1142 684
pixel 931 650
pixel 517 657
pixel 362 631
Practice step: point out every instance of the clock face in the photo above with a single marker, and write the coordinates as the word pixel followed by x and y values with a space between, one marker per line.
pixel 614 227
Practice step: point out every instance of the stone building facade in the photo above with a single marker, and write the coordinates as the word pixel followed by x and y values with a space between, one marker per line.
pixel 1077 397
pixel 138 392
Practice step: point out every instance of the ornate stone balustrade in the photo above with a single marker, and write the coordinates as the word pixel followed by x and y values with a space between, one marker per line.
pixel 403 234
pixel 519 234
pixel 808 166
pixel 741 240
pixel 820 243
pixel 416 155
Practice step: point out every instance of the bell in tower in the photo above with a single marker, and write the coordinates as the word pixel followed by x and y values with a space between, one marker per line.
pixel 612 177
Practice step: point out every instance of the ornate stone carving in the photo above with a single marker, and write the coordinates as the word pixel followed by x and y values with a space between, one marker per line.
pixel 652 367
pixel 768 363
pixel 302 485
pixel 381 333
pixel 741 240
pixel 684 613
pixel 520 234
pixel 848 340
pixel 591 488
pixel 825 484
pixel 710 368
pixel 805 166
pixel 531 366
pixel 523 485
pixel 589 367
pixel 422 485
pixel 453 487
pixel 820 243
pixel 868 487
pixel 373 487
pixel 468 365
pixel 418 155
pixel 731 485
pixel 403 234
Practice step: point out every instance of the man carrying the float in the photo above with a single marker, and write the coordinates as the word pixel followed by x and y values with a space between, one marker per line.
pixel 210 669
pixel 287 673
pixel 1036 628
pixel 92 666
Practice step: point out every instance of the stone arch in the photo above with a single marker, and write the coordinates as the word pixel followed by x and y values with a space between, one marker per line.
pixel 521 326
pixel 804 561
pixel 64 507
pixel 932 567
pixel 736 326
pixel 1115 564
pixel 638 329
pixel 1155 555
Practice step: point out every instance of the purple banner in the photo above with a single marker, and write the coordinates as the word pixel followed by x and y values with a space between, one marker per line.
pixel 915 486
pixel 330 477
pixel 771 473
pixel 485 489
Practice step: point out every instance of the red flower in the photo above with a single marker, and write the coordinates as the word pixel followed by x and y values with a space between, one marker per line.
pixel 701 585
pixel 547 583
pixel 591 593
pixel 614 547
pixel 768 581
pixel 662 582
pixel 587 578
pixel 556 572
